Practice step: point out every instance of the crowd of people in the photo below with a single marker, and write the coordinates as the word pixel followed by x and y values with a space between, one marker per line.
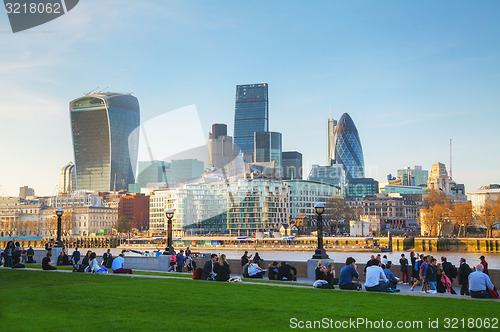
pixel 423 271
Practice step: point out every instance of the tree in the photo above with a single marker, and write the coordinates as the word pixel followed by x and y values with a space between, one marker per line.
pixel 123 224
pixel 436 197
pixel 488 214
pixel 337 210
pixel 434 217
pixel 461 216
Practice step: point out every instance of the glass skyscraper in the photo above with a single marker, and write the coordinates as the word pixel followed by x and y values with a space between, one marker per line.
pixel 251 115
pixel 268 148
pixel 105 141
pixel 347 148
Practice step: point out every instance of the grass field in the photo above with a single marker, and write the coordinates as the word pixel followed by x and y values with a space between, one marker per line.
pixel 40 301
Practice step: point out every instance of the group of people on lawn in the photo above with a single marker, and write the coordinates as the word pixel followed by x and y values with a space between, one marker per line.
pixel 89 263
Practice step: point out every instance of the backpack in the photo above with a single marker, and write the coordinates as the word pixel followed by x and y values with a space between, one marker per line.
pixel 197 273
pixel 454 271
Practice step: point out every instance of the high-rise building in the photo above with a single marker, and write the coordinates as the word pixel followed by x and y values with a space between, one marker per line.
pixel 347 148
pixel 331 141
pixel 185 169
pixel 25 191
pixel 268 148
pixel 291 162
pixel 415 176
pixel 251 115
pixel 333 175
pixel 220 146
pixel 135 207
pixel 155 171
pixel 67 180
pixel 439 179
pixel 105 140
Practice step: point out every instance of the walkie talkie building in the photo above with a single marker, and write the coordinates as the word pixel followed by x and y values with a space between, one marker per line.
pixel 105 141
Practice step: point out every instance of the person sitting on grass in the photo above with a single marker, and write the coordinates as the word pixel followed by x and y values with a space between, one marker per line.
pixel 222 270
pixel 285 272
pixel 86 259
pixel 393 280
pixel 94 265
pixel 255 271
pixel 208 268
pixel 47 262
pixel 347 273
pixel 117 265
pixel 330 276
pixel 272 271
pixel 30 254
pixel 376 281
pixel 479 283
pixel 320 271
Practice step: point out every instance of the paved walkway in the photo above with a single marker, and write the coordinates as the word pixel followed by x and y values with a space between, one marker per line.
pixel 300 283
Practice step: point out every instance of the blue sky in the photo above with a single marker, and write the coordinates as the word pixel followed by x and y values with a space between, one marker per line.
pixel 412 75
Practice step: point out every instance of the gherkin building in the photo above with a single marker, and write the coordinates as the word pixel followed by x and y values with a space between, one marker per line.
pixel 347 148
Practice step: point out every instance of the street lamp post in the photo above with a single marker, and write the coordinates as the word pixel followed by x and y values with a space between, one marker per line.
pixel 170 214
pixel 320 253
pixel 59 213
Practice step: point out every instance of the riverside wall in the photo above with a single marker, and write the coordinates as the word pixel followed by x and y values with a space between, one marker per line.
pixel 162 264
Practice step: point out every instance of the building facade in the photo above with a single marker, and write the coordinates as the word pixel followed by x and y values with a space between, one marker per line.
pixel 105 140
pixel 415 176
pixel 347 148
pixel 251 115
pixel 291 165
pixel 77 198
pixel 67 180
pixel 333 175
pixel 135 207
pixel 439 179
pixel 268 147
pixel 359 188
pixel 220 146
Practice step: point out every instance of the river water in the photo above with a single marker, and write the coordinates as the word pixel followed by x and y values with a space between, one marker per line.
pixel 493 259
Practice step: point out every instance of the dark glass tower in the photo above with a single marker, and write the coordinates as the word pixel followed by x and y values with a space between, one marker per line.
pixel 347 148
pixel 268 148
pixel 251 115
pixel 291 162
pixel 105 141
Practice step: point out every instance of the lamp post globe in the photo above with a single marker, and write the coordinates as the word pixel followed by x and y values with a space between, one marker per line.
pixel 320 252
pixel 59 213
pixel 170 248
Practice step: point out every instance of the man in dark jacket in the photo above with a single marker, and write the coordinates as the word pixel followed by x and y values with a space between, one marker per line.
pixel 463 277
pixel 448 268
pixel 285 272
pixel 431 276
pixel 105 257
pixel 180 260
pixel 208 268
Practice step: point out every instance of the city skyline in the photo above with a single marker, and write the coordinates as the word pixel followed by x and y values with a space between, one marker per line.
pixel 411 76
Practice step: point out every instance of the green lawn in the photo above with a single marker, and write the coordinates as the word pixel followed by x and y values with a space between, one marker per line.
pixel 40 301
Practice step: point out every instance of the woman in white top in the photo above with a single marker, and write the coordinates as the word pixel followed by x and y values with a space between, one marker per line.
pixel 94 265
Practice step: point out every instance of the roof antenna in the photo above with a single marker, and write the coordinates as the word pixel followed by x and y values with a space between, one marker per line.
pixel 451 168
pixel 91 91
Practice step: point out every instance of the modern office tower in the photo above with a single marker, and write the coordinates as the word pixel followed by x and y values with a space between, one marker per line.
pixel 251 115
pixel 291 163
pixel 331 141
pixel 361 187
pixel 67 180
pixel 156 171
pixel 439 179
pixel 25 191
pixel 415 176
pixel 268 148
pixel 184 170
pixel 347 148
pixel 105 141
pixel 220 146
pixel 333 175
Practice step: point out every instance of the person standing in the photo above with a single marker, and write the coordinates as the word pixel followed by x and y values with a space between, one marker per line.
pixel 9 249
pixel 463 277
pixel 448 268
pixel 414 270
pixel 30 253
pixel 403 262
pixel 75 256
pixel 107 255
pixel 479 283
pixel 484 264
pixel 431 276
pixel 257 259
pixel 180 260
